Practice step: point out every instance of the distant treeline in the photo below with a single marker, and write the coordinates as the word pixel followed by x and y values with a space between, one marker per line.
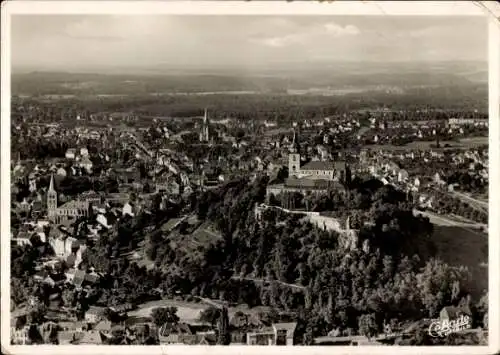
pixel 94 84
pixel 438 103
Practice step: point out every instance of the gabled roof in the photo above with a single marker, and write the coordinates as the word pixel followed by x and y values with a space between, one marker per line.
pixel 70 260
pixel 85 160
pixel 104 325
pixel 43 274
pixel 91 337
pixel 92 278
pixel 66 337
pixel 319 165
pixel 208 339
pixel 95 310
pixel 170 328
pixel 79 277
pixel 455 312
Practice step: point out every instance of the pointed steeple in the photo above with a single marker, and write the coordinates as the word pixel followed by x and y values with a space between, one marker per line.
pixel 51 185
pixel 295 142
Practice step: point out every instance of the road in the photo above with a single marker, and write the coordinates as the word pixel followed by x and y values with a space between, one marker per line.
pixel 140 144
pixel 443 221
pixel 481 205
pixel 258 280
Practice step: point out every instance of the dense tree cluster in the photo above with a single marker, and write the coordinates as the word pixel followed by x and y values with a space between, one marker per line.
pixel 32 148
pixel 281 261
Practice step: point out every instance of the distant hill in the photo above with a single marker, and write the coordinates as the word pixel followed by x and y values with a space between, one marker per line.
pixel 331 76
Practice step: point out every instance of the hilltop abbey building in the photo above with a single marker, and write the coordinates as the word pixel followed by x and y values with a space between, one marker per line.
pixel 312 177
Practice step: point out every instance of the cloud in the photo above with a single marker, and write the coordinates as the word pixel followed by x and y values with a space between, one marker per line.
pixel 282 41
pixel 337 30
pixel 312 33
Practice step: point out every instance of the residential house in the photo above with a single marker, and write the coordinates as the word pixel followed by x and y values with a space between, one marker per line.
pixel 189 339
pixel 94 314
pixel 102 220
pixel 64 246
pixel 72 326
pixel 279 334
pixel 18 327
pixel 284 333
pixel 55 280
pixel 84 152
pixel 71 153
pixel 19 332
pixel 122 308
pixel 67 337
pixel 91 278
pixel 24 205
pixel 128 209
pixel 71 260
pixel 22 238
pixel 263 337
pixel 80 278
pixel 61 172
pixel 402 175
pixel 41 275
pixel 91 337
pixel 70 275
pixel 452 313
pixel 103 326
pixel 86 164
pixel 170 333
pixel 55 301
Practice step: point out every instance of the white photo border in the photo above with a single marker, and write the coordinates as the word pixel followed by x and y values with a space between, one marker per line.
pixel 487 9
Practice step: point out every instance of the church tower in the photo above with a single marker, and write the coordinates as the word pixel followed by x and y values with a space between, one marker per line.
pixel 51 199
pixel 205 133
pixel 294 157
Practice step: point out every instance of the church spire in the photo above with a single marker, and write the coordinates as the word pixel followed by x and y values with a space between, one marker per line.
pixel 205 117
pixel 51 185
pixel 295 142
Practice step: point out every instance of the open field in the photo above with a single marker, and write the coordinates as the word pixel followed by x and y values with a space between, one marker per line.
pixel 462 244
pixel 187 311
pixel 465 143
pixel 190 311
pixel 458 246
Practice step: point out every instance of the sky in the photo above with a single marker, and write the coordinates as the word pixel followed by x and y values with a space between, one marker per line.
pixel 100 42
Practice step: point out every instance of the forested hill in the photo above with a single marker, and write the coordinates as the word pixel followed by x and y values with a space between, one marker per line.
pixel 356 291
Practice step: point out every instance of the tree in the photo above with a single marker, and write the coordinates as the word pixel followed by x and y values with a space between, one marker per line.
pixel 164 315
pixel 367 325
pixel 223 335
pixel 68 297
pixel 37 313
pixel 308 338
pixel 210 315
pixel 34 335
